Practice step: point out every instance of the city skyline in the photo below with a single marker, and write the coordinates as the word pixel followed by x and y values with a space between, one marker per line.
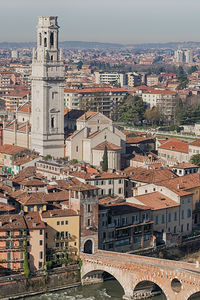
pixel 131 21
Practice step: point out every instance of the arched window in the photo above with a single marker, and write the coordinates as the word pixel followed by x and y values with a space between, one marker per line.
pixel 45 42
pixel 88 247
pixel 51 39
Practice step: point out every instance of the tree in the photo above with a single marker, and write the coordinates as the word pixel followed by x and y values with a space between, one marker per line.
pixel 192 69
pixel 195 159
pixel 132 110
pixel 152 115
pixel 105 160
pixel 182 77
pixel 26 265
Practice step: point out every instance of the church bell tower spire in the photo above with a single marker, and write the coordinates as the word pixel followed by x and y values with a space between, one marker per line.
pixel 47 133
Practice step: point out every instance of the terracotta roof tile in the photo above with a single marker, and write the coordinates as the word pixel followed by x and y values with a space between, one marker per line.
pixel 156 201
pixel 110 146
pixel 175 145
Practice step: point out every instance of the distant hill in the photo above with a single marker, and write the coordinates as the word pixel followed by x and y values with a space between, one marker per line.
pixel 92 45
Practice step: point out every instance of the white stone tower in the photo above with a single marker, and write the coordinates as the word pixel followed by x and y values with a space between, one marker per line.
pixel 47 133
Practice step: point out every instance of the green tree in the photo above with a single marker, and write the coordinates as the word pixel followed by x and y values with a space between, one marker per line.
pixel 26 265
pixel 105 160
pixel 195 159
pixel 192 69
pixel 132 110
pixel 182 77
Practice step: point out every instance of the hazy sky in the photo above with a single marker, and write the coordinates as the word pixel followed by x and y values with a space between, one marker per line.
pixel 124 21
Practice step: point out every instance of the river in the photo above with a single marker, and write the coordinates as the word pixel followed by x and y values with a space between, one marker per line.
pixel 103 291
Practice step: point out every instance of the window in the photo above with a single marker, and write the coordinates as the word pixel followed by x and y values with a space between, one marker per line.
pixel 40 265
pixel 174 229
pixel 45 42
pixel 182 228
pixel 169 217
pixel 89 208
pixel 62 222
pixel 163 219
pixel 120 181
pixel 188 226
pixel 52 122
pixel 175 216
pixel 120 191
pixel 76 148
pixel 156 220
pixel 89 222
pixel 189 213
pixel 66 222
pixel 41 254
pixel 41 231
pixel 41 242
pixel 109 181
pixel 58 222
pixel 182 214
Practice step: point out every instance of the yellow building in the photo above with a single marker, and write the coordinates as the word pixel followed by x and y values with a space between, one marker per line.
pixel 62 232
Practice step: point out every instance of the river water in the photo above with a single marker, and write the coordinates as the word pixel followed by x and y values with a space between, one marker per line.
pixel 108 290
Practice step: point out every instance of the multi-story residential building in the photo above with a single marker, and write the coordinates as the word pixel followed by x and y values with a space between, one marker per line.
pixel 133 79
pixel 174 151
pixel 36 245
pixel 125 227
pixel 185 168
pixel 113 78
pixel 108 183
pixel 185 191
pixel 165 100
pixel 62 232
pixel 12 238
pixel 165 213
pixel 183 56
pixel 105 100
pixel 9 154
pixel 153 80
pixel 15 99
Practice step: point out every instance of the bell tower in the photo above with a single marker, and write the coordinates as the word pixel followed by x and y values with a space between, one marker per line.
pixel 47 133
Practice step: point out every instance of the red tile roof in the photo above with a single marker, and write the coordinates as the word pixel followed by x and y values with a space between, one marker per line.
pixel 176 145
pixel 195 143
pixel 11 149
pixel 156 201
pixel 110 146
pixel 55 213
pixel 34 221
pixel 149 175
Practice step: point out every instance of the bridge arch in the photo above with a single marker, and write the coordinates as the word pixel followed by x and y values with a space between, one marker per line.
pixel 148 286
pixel 194 296
pixel 92 271
pixel 161 284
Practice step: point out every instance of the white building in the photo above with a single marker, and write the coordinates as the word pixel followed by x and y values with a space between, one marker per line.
pixel 110 78
pixel 47 132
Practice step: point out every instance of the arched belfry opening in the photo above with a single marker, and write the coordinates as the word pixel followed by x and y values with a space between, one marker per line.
pixel 88 247
pixel 51 39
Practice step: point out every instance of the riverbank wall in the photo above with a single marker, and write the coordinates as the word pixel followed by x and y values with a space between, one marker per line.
pixel 17 286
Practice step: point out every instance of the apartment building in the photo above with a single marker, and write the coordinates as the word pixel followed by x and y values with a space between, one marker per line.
pixel 62 232
pixel 105 100
pixel 124 227
pixel 113 78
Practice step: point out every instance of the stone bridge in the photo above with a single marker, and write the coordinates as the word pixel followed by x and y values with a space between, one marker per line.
pixel 177 280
